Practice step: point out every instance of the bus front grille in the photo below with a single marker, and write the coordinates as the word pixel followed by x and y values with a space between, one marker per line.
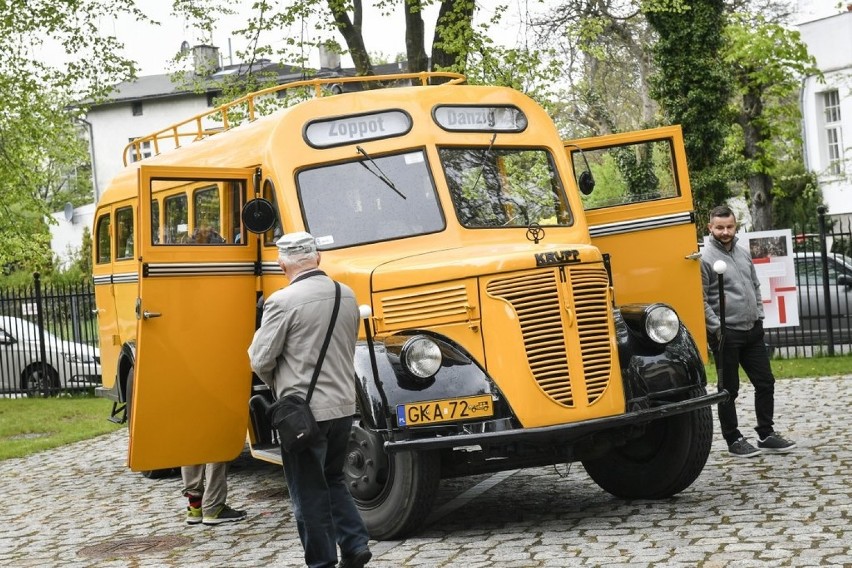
pixel 548 334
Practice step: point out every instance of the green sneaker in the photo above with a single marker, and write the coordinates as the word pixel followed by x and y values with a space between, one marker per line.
pixel 193 515
pixel 224 515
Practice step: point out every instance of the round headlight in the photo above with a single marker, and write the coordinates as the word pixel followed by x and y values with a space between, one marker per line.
pixel 661 323
pixel 421 357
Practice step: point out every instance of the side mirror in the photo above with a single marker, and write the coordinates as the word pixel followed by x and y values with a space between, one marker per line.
pixel 258 215
pixel 586 182
pixel 844 280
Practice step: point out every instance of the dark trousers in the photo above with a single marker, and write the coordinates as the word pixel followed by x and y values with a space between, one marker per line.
pixel 746 349
pixel 326 515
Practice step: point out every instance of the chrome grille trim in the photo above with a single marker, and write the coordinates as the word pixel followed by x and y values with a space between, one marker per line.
pixel 591 307
pixel 535 299
pixel 450 302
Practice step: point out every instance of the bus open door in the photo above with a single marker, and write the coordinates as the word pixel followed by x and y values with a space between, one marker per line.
pixel 195 317
pixel 640 213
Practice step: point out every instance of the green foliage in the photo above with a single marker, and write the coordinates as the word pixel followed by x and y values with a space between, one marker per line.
pixel 39 145
pixel 693 87
pixel 797 197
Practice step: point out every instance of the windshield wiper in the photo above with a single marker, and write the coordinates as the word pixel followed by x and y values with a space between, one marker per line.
pixel 482 164
pixel 381 175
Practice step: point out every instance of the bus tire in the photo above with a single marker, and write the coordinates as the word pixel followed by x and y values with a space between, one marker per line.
pixel 160 473
pixel 394 492
pixel 664 461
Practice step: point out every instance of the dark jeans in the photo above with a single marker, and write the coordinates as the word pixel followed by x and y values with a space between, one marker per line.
pixel 746 349
pixel 326 515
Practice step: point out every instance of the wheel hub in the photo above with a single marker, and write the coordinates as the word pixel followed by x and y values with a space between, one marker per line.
pixel 366 464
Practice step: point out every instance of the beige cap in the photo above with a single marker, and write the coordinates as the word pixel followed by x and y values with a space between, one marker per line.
pixel 299 242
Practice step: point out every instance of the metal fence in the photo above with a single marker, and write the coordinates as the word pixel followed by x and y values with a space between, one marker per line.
pixel 824 279
pixel 48 339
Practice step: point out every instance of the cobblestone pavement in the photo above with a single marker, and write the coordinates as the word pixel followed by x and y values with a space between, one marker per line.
pixel 79 506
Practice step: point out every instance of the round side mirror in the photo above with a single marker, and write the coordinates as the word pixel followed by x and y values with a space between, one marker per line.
pixel 258 215
pixel 586 182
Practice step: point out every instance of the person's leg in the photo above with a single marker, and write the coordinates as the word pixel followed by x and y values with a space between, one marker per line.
pixel 311 503
pixel 351 532
pixel 193 481
pixel 727 368
pixel 755 361
pixel 193 490
pixel 216 492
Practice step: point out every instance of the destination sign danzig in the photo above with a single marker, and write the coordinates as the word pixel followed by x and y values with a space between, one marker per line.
pixel 480 118
pixel 349 129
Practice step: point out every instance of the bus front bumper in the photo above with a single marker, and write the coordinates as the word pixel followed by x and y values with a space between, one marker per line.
pixel 563 433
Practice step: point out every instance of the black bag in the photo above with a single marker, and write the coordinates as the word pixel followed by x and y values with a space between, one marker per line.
pixel 292 417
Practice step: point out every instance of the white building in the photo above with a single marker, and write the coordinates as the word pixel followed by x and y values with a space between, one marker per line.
pixel 827 110
pixel 141 107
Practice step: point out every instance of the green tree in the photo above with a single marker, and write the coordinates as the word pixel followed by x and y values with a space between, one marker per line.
pixel 767 61
pixel 693 87
pixel 38 144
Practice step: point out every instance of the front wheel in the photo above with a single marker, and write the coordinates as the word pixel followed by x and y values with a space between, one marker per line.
pixel 394 493
pixel 664 461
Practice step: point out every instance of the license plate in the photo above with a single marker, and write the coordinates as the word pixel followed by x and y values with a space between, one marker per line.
pixel 447 410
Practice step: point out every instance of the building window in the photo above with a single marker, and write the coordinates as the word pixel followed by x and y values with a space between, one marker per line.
pixel 834 143
pixel 136 108
pixel 144 150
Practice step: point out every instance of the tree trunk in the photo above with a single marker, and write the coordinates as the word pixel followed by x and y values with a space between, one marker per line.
pixel 760 191
pixel 759 183
pixel 448 46
pixel 414 37
pixel 352 35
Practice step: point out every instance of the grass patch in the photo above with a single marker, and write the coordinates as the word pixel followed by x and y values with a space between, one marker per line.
pixel 805 367
pixel 30 425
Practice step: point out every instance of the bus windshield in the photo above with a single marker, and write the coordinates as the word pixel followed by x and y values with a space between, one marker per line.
pixel 504 187
pixel 374 199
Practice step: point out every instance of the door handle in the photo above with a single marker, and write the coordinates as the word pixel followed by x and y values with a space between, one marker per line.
pixel 693 256
pixel 148 315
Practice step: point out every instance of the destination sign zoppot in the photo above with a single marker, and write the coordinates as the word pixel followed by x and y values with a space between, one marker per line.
pixel 480 118
pixel 357 128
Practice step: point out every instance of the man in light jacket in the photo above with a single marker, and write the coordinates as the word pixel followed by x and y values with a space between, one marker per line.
pixel 284 354
pixel 741 341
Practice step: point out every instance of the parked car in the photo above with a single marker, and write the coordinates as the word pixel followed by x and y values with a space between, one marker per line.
pixel 66 365
pixel 813 324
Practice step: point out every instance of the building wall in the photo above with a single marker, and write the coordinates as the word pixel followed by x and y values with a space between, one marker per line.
pixel 829 40
pixel 114 125
pixel 67 234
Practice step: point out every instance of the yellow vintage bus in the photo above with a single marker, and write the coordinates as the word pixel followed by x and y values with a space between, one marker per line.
pixel 528 300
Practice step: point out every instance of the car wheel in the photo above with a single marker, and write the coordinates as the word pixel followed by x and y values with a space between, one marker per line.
pixel 394 492
pixel 40 380
pixel 664 461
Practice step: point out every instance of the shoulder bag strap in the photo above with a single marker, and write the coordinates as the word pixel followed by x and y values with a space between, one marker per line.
pixel 326 342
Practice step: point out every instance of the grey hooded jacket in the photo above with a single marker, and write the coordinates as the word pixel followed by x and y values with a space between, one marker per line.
pixel 743 304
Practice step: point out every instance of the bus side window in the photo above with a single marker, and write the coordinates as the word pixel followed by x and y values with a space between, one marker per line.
pixel 206 217
pixel 630 173
pixel 177 219
pixel 124 233
pixel 275 232
pixel 103 253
